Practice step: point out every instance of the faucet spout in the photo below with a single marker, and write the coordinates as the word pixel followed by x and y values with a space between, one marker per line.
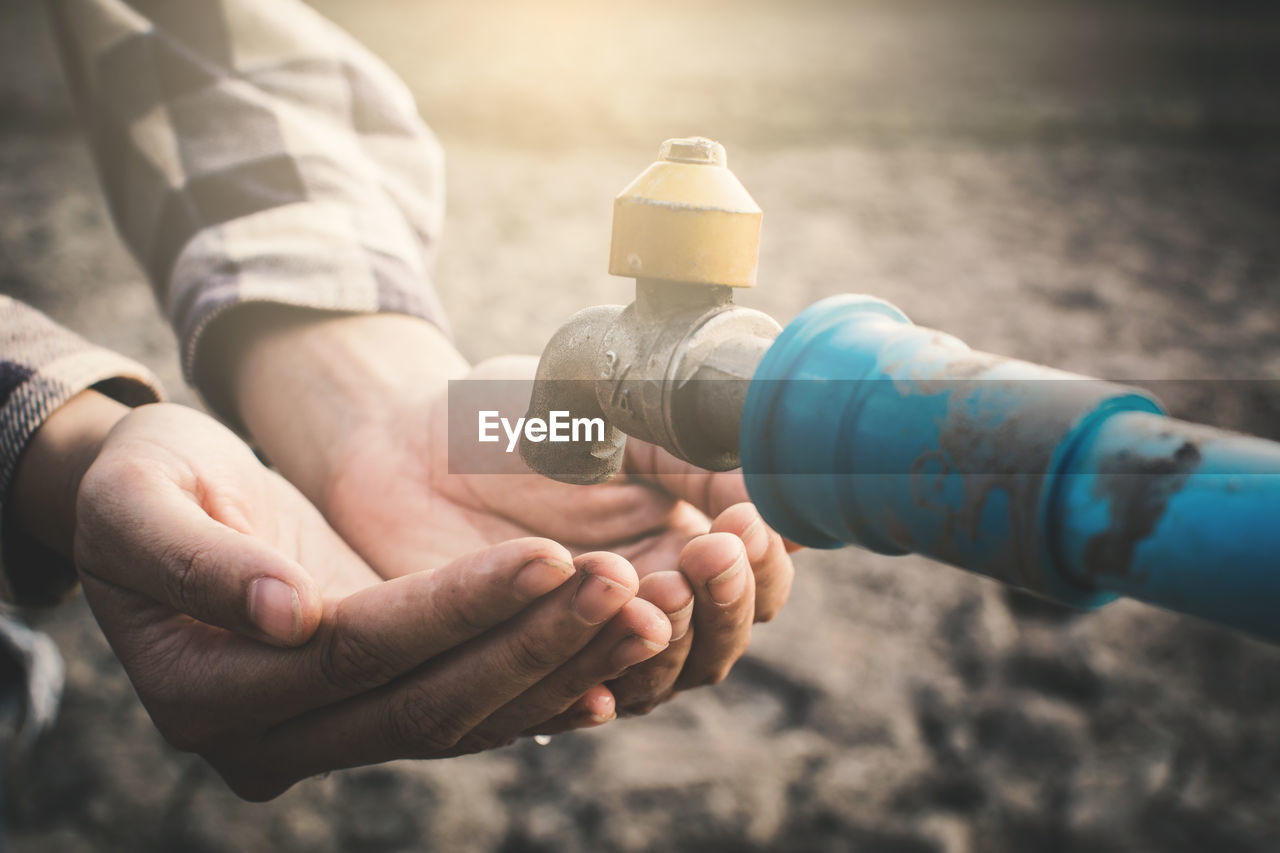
pixel 565 382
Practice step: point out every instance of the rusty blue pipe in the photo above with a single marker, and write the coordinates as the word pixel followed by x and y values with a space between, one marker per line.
pixel 1180 515
pixel 861 428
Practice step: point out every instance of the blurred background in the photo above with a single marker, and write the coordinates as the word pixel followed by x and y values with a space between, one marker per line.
pixel 1092 185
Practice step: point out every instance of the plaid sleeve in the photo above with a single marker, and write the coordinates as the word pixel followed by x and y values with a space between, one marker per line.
pixel 253 152
pixel 42 366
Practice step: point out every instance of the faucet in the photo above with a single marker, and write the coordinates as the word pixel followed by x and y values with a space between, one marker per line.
pixel 673 367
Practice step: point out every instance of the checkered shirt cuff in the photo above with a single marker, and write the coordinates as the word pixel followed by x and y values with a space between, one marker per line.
pixel 42 366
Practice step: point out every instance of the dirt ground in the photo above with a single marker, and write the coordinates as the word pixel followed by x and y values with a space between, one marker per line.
pixel 1090 185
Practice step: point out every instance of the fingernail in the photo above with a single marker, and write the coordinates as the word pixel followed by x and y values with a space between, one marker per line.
pixel 756 539
pixel 598 719
pixel 275 608
pixel 680 621
pixel 538 577
pixel 598 598
pixel 607 710
pixel 728 586
pixel 633 650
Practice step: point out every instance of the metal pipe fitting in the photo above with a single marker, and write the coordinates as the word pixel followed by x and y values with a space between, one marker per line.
pixel 673 367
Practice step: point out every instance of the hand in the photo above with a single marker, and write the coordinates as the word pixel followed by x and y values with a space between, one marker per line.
pixel 662 514
pixel 192 554
pixel 353 410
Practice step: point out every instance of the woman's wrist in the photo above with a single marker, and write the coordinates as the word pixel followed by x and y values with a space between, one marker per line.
pixel 47 479
pixel 305 382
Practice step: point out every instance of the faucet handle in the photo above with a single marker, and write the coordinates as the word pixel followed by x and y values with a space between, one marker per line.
pixel 693 149
pixel 687 218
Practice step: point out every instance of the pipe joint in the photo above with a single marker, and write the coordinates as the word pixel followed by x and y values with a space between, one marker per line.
pixel 673 367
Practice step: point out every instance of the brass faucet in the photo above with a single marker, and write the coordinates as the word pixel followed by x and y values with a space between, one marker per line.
pixel 672 368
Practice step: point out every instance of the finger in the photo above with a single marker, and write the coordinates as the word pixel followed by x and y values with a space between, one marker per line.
pixel 595 708
pixel 660 551
pixel 670 592
pixel 636 634
pixel 365 640
pixel 161 543
pixel 644 686
pixel 426 713
pixel 770 563
pixel 712 492
pixel 390 628
pixel 724 606
pixel 597 702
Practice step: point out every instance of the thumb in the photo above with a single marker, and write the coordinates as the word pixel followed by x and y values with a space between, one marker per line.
pixel 165 546
pixel 710 491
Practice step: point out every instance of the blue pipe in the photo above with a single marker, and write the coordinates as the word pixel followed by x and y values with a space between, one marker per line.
pixel 862 428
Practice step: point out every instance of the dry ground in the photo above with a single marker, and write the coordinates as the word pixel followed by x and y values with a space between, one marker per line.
pixel 1095 186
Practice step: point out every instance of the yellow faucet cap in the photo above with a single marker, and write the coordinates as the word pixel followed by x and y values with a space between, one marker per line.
pixel 687 218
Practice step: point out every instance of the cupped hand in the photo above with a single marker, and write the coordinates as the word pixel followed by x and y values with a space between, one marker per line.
pixel 256 637
pixel 382 478
pixel 703 553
